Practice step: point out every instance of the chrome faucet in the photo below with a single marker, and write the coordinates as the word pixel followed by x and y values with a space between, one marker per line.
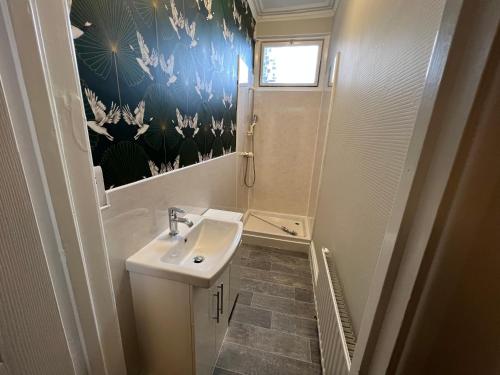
pixel 173 219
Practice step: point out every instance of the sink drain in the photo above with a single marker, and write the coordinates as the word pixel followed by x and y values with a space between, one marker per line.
pixel 198 259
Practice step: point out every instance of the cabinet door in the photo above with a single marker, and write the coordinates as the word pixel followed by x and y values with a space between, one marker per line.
pixel 234 279
pixel 204 330
pixel 222 287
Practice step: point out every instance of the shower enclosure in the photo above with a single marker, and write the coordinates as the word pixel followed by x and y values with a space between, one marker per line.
pixel 277 178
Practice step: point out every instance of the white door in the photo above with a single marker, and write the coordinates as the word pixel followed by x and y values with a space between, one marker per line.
pixel 32 336
pixel 234 279
pixel 204 316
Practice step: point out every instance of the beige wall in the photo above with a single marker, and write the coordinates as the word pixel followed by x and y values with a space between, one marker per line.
pixel 385 49
pixel 245 97
pixel 289 140
pixel 285 145
pixel 294 27
pixel 322 132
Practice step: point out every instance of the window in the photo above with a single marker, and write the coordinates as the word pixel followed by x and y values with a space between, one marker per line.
pixel 242 72
pixel 294 63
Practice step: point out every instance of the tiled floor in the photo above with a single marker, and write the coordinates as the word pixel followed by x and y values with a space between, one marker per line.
pixel 273 329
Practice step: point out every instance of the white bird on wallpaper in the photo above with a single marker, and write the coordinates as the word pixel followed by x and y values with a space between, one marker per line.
pixel 227 100
pixel 203 86
pixel 236 15
pixel 177 20
pixel 191 32
pixel 245 4
pixel 228 34
pixel 100 116
pixel 168 68
pixel 175 164
pixel 208 5
pixel 233 128
pixel 206 157
pixel 217 125
pixel 186 121
pixel 146 60
pixel 217 59
pixel 76 32
pixel 137 119
pixel 155 171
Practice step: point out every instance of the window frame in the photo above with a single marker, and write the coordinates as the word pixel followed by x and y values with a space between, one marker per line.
pixel 318 42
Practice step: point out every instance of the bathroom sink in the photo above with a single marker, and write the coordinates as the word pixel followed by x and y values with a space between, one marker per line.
pixel 196 256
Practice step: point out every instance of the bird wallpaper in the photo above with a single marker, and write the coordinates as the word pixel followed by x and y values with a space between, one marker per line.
pixel 159 81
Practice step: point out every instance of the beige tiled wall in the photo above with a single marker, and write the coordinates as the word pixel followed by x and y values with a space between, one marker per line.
pixel 285 145
pixel 320 144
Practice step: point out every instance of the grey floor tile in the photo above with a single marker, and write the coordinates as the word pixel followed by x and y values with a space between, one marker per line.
pixel 273 330
pixel 270 341
pixel 295 325
pixel 244 251
pixel 261 264
pixel 276 277
pixel 304 295
pixel 305 309
pixel 250 361
pixel 265 287
pixel 284 305
pixel 245 297
pixel 221 371
pixel 279 256
pixel 251 315
pixel 295 254
pixel 315 351
pixel 293 269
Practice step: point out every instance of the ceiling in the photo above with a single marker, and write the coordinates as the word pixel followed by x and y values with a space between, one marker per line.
pixel 284 9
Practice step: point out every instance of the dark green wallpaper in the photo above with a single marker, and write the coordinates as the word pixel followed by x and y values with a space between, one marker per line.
pixel 159 81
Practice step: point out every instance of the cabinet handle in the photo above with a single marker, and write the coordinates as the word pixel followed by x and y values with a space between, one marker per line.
pixel 221 287
pixel 218 302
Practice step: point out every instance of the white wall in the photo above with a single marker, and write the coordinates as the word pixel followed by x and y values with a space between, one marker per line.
pixel 308 26
pixel 385 49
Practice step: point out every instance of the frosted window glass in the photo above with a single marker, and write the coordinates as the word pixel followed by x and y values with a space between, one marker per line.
pixel 290 64
pixel 243 72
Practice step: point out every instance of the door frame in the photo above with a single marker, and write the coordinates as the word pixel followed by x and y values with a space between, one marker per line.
pixel 41 36
pixel 42 33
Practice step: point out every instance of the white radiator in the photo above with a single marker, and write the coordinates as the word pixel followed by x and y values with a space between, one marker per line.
pixel 336 336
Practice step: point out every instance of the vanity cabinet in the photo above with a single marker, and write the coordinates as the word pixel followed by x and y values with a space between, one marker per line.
pixel 180 327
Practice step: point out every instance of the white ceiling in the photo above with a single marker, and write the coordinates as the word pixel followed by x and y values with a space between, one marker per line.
pixel 275 9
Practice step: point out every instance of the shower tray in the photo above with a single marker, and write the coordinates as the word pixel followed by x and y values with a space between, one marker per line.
pixel 257 230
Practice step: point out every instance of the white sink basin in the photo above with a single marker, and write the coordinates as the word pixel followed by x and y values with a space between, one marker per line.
pixel 173 257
